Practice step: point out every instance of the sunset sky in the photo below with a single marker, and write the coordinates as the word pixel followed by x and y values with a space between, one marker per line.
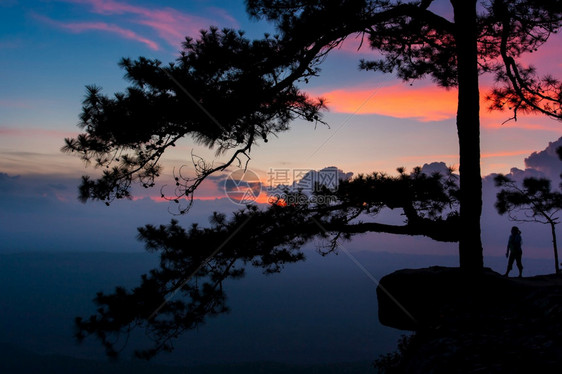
pixel 51 49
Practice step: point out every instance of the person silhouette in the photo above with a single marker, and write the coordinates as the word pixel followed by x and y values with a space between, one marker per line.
pixel 514 251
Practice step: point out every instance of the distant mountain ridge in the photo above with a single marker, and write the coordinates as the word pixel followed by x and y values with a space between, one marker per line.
pixel 17 360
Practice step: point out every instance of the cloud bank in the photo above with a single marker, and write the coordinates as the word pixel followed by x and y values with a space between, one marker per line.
pixel 546 161
pixel 42 213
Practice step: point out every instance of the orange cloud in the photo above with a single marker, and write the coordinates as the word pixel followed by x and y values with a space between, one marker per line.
pixel 525 152
pixel 262 198
pixel 400 101
pixel 423 103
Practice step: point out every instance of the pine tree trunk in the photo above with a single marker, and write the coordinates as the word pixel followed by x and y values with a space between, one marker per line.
pixel 468 127
pixel 554 245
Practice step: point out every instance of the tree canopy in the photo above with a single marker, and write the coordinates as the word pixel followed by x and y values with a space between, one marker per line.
pixel 531 201
pixel 230 93
pixel 224 91
pixel 196 263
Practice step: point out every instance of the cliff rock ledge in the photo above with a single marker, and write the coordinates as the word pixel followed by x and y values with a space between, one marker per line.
pixel 474 323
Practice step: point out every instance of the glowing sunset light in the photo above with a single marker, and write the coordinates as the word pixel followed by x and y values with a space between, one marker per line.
pixel 507 153
pixel 262 198
pixel 424 103
pixel 400 101
pixel 160 199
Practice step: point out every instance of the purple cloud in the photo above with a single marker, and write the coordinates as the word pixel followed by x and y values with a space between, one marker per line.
pixel 435 167
pixel 546 161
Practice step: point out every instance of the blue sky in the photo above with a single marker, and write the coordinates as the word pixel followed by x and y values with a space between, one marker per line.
pixel 51 49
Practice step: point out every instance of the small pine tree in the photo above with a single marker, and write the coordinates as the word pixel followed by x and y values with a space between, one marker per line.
pixel 533 201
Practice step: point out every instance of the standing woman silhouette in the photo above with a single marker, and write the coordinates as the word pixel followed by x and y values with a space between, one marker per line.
pixel 514 251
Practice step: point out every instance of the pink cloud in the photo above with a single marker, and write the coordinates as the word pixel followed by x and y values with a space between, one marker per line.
pixel 170 24
pixel 173 28
pixel 78 27
pixel 102 26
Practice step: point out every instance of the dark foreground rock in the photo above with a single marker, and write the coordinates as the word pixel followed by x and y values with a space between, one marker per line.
pixel 475 323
